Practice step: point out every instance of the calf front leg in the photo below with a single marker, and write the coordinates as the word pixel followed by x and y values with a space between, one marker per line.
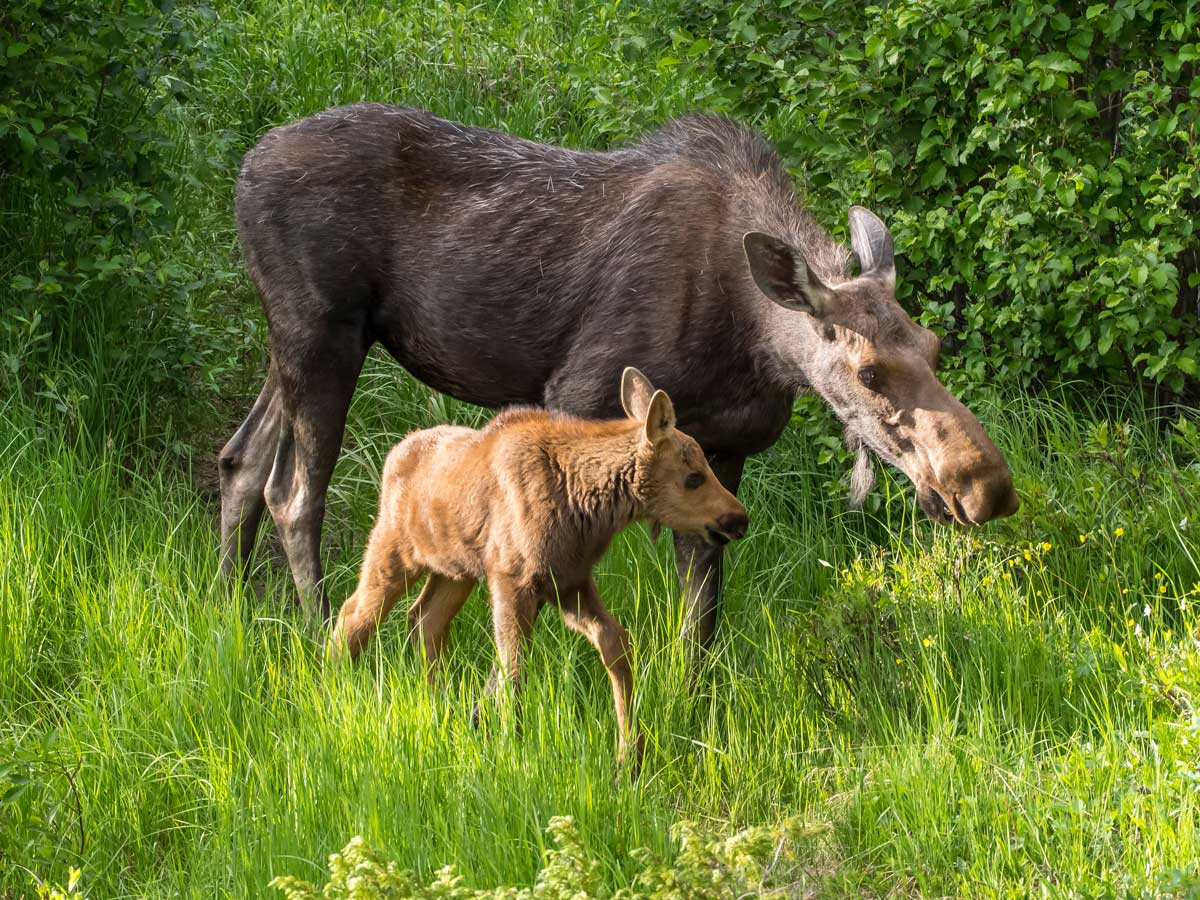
pixel 587 615
pixel 514 610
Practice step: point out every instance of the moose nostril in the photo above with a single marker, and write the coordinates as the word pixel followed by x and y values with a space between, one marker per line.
pixel 1009 505
pixel 734 524
pixel 960 512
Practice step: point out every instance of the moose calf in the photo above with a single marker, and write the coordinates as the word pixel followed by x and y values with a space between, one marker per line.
pixel 530 502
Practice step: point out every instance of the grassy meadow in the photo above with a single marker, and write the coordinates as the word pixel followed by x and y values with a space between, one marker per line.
pixel 1005 712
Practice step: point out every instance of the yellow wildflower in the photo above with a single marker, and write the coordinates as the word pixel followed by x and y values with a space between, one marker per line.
pixel 927 642
pixel 1028 556
pixel 1162 588
pixel 1082 538
pixel 1120 532
pixel 898 660
pixel 1047 546
pixel 1158 576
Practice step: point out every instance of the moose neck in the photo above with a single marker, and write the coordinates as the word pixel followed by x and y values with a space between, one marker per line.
pixel 790 342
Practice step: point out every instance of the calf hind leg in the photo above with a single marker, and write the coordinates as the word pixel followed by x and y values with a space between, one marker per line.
pixel 430 616
pixel 383 579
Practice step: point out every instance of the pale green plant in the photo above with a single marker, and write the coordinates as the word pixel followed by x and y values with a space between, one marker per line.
pixel 703 866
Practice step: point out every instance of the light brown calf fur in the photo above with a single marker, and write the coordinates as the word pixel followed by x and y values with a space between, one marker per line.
pixel 531 502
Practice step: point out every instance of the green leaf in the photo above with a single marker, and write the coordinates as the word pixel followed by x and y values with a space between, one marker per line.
pixel 1080 42
pixel 934 175
pixel 15 50
pixel 1056 62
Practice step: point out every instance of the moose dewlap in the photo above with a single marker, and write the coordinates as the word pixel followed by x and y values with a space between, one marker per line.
pixel 530 502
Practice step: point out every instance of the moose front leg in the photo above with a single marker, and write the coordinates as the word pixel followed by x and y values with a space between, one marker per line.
pixel 700 565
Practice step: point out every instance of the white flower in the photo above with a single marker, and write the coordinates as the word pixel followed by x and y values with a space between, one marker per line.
pixel 1146 610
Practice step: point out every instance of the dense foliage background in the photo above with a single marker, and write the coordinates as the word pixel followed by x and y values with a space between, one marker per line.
pixel 1001 713
pixel 1036 162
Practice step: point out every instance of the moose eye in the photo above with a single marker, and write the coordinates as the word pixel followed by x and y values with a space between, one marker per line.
pixel 869 377
pixel 694 480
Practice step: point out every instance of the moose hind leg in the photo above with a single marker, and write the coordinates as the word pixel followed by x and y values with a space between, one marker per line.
pixel 310 437
pixel 244 465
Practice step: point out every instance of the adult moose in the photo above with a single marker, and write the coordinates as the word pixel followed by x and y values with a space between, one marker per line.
pixel 502 271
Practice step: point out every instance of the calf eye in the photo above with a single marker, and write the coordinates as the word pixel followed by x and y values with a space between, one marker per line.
pixel 694 480
pixel 869 377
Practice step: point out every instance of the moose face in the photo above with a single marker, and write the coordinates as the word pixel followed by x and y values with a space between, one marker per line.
pixel 857 348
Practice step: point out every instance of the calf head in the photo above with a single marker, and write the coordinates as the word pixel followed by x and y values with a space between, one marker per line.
pixel 672 480
pixel 854 345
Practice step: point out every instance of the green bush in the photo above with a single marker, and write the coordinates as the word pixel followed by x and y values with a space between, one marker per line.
pixel 1036 162
pixel 704 866
pixel 95 171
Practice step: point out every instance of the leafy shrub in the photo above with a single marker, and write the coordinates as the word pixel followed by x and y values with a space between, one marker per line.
pixel 704 866
pixel 92 233
pixel 1035 161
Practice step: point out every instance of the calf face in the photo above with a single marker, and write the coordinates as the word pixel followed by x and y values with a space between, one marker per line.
pixel 674 483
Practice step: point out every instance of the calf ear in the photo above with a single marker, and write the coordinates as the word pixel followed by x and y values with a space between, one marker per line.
pixel 660 418
pixel 781 273
pixel 636 391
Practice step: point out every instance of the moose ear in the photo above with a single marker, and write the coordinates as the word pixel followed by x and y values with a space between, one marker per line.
pixel 781 272
pixel 660 418
pixel 636 391
pixel 872 243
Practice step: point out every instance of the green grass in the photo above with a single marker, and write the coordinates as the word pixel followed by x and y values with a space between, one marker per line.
pixel 965 727
pixel 968 721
